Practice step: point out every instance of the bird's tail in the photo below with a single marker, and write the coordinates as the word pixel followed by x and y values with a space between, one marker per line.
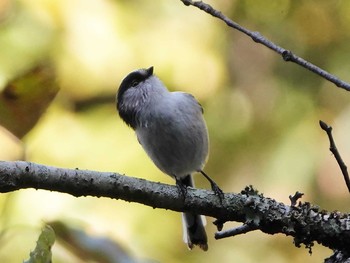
pixel 193 225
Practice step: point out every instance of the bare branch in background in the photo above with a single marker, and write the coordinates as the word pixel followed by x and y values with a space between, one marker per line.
pixel 287 55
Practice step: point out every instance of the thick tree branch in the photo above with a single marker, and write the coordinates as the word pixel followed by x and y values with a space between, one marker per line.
pixel 287 55
pixel 305 222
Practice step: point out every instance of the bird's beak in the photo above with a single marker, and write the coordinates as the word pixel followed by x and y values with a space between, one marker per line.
pixel 149 71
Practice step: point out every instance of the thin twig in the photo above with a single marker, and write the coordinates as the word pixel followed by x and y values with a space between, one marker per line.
pixel 334 150
pixel 245 228
pixel 287 55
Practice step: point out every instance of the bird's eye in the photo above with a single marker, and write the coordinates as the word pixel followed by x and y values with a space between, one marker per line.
pixel 134 83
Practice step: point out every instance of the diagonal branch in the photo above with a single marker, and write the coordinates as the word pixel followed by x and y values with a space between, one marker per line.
pixel 287 55
pixel 305 222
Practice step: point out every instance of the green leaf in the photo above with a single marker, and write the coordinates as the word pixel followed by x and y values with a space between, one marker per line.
pixel 42 252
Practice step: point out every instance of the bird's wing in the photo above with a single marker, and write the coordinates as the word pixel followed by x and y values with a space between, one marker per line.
pixel 192 99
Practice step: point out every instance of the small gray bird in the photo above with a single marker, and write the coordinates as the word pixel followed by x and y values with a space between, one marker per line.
pixel 171 129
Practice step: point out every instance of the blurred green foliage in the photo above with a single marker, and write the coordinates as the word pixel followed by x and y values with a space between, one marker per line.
pixel 42 252
pixel 262 113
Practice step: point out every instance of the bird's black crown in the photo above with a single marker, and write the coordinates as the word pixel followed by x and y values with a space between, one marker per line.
pixel 131 80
